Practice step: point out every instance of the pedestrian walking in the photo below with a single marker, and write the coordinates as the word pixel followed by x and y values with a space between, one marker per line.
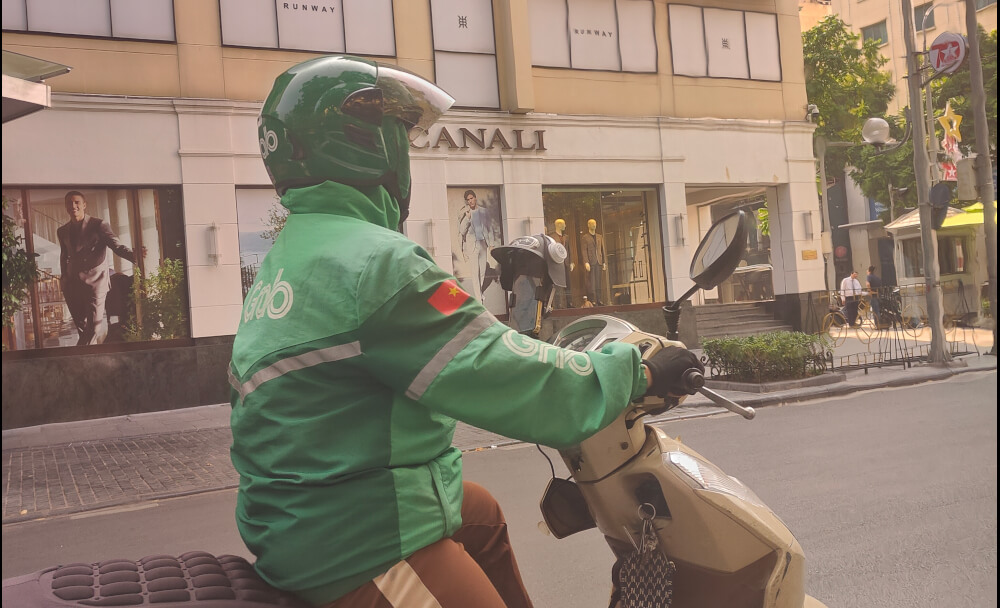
pixel 850 291
pixel 874 283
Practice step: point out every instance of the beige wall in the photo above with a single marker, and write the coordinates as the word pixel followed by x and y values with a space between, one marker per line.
pixel 198 66
pixel 948 17
pixel 812 12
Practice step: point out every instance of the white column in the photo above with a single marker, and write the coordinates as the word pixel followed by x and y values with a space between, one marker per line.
pixel 208 177
pixel 795 239
pixel 677 237
pixel 427 224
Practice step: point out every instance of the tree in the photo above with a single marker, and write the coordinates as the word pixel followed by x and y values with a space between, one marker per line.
pixel 19 269
pixel 275 221
pixel 162 304
pixel 845 81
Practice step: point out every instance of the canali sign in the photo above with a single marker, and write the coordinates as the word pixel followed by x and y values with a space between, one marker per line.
pixel 482 138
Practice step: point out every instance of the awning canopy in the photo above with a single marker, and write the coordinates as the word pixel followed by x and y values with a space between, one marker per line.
pixel 24 91
pixel 970 216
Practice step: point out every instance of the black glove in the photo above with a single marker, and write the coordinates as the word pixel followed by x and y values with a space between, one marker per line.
pixel 667 367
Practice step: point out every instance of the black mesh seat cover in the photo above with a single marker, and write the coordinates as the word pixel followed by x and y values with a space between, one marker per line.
pixel 196 579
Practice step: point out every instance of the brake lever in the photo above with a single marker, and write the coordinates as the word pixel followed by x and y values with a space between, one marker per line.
pixel 732 406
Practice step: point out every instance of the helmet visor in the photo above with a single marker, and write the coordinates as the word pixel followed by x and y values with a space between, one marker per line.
pixel 415 101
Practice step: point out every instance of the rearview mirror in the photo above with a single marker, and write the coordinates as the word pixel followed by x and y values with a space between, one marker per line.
pixel 721 250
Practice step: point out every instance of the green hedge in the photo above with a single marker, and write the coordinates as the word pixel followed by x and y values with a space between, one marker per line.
pixel 780 355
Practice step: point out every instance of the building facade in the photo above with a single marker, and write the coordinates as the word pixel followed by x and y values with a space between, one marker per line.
pixel 651 118
pixel 883 22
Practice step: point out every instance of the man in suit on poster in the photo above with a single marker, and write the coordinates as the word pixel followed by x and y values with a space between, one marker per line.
pixel 84 242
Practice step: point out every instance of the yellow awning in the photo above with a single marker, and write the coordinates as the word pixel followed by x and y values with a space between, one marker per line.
pixel 973 215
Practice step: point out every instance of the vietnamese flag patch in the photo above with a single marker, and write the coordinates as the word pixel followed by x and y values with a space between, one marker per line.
pixel 448 297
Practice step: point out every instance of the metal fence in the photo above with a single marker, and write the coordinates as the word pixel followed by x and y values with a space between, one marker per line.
pixel 248 274
pixel 891 327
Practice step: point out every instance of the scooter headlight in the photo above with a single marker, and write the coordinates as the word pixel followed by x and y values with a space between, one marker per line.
pixel 710 477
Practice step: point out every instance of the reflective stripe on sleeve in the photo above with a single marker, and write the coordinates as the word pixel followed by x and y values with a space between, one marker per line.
pixel 291 364
pixel 454 346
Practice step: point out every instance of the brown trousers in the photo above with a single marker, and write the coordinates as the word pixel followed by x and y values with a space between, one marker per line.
pixel 475 568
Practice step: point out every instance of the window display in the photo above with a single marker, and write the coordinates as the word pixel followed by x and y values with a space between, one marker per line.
pixel 474 214
pixel 111 266
pixel 614 258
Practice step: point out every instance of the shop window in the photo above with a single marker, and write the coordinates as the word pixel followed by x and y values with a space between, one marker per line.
pixel 621 245
pixel 128 19
pixel 111 266
pixel 475 228
pixel 953 251
pixel 465 61
pixel 723 43
pixel 913 257
pixel 351 26
pixel 607 35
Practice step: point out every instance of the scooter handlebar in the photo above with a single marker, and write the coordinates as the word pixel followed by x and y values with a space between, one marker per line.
pixel 693 380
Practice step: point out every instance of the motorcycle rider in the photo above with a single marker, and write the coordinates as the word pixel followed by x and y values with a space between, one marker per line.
pixel 356 353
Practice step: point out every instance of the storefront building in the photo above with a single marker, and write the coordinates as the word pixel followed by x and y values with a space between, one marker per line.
pixel 645 119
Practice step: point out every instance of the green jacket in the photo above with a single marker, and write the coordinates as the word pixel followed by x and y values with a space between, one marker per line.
pixel 354 357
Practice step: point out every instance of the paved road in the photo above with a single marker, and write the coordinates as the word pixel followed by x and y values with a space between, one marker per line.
pixel 892 494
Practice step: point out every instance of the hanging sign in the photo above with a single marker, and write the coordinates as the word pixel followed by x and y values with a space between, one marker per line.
pixel 949 143
pixel 947 53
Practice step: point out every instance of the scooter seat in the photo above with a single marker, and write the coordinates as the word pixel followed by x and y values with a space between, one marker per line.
pixel 196 579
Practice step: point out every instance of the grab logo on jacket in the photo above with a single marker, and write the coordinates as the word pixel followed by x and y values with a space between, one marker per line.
pixel 274 300
pixel 522 345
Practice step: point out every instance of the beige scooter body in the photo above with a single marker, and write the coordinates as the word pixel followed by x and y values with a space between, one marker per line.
pixel 729 548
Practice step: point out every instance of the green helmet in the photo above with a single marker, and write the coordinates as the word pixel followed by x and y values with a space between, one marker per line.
pixel 345 119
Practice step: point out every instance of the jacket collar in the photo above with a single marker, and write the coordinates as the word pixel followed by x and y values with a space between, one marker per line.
pixel 370 204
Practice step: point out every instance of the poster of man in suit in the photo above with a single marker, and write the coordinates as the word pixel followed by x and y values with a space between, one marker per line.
pixel 474 214
pixel 84 242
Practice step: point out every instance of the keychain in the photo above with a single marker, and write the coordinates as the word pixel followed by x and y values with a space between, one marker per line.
pixel 645 578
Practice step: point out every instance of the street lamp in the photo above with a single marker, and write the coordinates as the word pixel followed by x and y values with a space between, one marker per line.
pixel 875 132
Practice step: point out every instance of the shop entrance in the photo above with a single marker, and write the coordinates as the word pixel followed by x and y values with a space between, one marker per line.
pixel 752 280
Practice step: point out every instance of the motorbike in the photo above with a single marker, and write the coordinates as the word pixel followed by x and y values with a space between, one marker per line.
pixel 685 533
pixel 646 492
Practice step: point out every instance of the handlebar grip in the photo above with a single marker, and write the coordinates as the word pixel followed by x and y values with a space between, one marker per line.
pixel 693 380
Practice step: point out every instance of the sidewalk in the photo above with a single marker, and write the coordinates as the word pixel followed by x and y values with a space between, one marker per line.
pixel 70 467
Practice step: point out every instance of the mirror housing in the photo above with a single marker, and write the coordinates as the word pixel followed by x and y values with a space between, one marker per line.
pixel 721 250
pixel 564 509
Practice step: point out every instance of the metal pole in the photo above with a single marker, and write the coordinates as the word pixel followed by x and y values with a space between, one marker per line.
pixel 892 204
pixel 921 170
pixel 824 213
pixel 984 170
pixel 932 147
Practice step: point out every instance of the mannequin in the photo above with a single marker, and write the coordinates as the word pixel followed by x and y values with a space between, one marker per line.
pixel 563 295
pixel 595 262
